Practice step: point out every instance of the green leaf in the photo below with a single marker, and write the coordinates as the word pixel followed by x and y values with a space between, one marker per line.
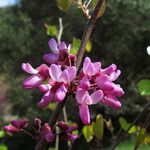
pixel 88 46
pixel 63 4
pixel 51 30
pixel 88 132
pixel 140 135
pixel 52 106
pixel 123 123
pixel 75 45
pixel 98 127
pixel 2 134
pixel 146 140
pixel 144 87
pixel 3 147
pixel 133 129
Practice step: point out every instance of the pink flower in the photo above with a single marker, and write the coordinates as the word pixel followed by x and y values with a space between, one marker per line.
pixel 59 53
pixel 64 78
pixel 84 99
pixel 89 68
pixel 37 77
pixel 58 85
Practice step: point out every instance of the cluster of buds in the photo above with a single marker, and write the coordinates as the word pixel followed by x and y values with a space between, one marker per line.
pixel 66 131
pixel 42 131
pixel 16 126
pixel 59 77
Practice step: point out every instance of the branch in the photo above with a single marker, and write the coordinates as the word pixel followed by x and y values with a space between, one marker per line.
pixel 87 32
pixel 60 30
pixel 119 139
pixel 85 38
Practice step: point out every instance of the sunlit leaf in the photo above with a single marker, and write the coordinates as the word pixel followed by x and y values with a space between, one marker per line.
pixel 146 140
pixel 144 87
pixel 134 129
pixel 75 45
pixel 2 134
pixel 63 4
pixel 123 123
pixel 3 147
pixel 88 132
pixel 98 127
pixel 88 47
pixel 51 30
pixel 52 106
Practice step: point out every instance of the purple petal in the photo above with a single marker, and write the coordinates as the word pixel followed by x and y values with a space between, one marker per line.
pixel 104 83
pixel 33 81
pixel 46 99
pixel 84 114
pixel 60 93
pixel 50 58
pixel 53 45
pixel 69 48
pixel 110 69
pixel 68 74
pixel 113 76
pixel 81 96
pixel 86 65
pixel 29 69
pixel 111 101
pixel 96 97
pixel 55 72
pixel 62 46
pixel 85 83
pixel 97 67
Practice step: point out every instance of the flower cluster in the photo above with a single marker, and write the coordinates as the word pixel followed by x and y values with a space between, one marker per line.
pixel 42 131
pixel 96 85
pixel 59 77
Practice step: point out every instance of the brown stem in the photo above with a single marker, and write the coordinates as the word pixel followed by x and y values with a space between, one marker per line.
pixel 86 35
pixel 118 138
pixel 87 32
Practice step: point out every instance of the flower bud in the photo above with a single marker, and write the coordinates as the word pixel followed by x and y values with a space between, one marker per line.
pixel 70 137
pixel 20 123
pixel 49 136
pixel 10 129
pixel 37 122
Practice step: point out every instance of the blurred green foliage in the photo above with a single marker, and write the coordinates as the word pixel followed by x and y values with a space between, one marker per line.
pixel 144 87
pixel 120 36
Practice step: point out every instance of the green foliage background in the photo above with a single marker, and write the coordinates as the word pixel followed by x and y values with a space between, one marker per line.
pixel 120 36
